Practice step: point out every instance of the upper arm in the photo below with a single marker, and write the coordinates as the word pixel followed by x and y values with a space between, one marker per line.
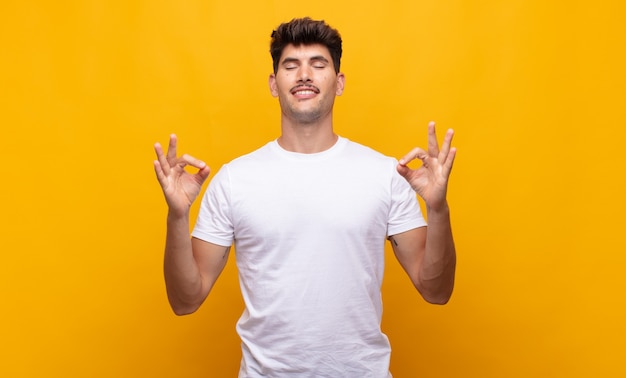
pixel 211 260
pixel 409 248
pixel 431 268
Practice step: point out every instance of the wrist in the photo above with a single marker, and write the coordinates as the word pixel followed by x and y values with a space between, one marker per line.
pixel 175 215
pixel 441 211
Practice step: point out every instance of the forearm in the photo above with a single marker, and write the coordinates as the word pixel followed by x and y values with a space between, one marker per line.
pixel 182 275
pixel 437 269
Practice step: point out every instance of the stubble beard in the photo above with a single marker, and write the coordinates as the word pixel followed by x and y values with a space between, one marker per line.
pixel 304 117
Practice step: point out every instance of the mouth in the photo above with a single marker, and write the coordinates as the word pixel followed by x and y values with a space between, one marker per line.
pixel 304 90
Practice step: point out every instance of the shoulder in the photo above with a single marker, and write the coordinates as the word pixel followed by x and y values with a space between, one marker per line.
pixel 242 165
pixel 363 152
pixel 257 156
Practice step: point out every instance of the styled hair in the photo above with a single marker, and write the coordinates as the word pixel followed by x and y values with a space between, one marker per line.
pixel 305 31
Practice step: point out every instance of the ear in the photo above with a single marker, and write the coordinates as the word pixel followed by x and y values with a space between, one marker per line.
pixel 272 84
pixel 341 83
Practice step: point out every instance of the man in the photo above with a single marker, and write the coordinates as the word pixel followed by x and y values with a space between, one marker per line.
pixel 309 214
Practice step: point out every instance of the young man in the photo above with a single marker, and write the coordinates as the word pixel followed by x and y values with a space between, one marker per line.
pixel 309 214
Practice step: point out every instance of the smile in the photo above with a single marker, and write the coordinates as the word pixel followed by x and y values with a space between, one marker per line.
pixel 304 91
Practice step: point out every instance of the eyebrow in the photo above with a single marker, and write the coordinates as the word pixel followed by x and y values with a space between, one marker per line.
pixel 315 58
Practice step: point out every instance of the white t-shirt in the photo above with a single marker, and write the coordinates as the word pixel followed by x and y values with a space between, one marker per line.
pixel 309 233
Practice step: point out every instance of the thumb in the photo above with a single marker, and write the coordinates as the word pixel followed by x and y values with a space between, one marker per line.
pixel 203 173
pixel 403 170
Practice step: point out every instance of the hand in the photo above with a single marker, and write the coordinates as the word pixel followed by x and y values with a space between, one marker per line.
pixel 430 180
pixel 179 186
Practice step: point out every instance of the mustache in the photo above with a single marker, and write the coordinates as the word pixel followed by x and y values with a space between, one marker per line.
pixel 305 86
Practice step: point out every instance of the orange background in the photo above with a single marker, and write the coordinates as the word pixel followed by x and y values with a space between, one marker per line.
pixel 535 91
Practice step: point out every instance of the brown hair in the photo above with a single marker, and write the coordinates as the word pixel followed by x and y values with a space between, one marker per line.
pixel 305 31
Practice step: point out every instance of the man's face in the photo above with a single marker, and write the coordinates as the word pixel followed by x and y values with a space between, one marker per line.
pixel 306 83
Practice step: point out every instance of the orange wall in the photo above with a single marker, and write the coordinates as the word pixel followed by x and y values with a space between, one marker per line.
pixel 534 90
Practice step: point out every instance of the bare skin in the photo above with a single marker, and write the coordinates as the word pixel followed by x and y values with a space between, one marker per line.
pixel 191 266
pixel 306 85
pixel 428 254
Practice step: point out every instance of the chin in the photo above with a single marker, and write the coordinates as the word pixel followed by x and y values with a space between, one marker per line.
pixel 306 117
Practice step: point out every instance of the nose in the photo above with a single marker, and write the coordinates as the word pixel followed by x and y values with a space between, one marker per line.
pixel 304 74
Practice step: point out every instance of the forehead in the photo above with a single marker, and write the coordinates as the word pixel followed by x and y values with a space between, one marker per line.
pixel 305 52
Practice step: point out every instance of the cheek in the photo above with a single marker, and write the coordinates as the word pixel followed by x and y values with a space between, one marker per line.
pixel 283 82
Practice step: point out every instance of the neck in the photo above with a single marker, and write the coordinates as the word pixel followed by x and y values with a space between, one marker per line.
pixel 307 138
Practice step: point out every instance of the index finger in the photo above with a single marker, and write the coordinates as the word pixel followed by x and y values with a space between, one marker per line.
pixel 415 153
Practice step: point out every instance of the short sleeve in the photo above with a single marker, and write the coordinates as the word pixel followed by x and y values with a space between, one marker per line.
pixel 405 213
pixel 214 223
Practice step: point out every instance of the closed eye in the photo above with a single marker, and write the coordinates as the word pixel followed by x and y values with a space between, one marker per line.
pixel 290 63
pixel 319 62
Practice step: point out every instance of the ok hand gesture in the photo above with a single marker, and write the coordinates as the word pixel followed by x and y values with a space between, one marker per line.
pixel 430 180
pixel 179 186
